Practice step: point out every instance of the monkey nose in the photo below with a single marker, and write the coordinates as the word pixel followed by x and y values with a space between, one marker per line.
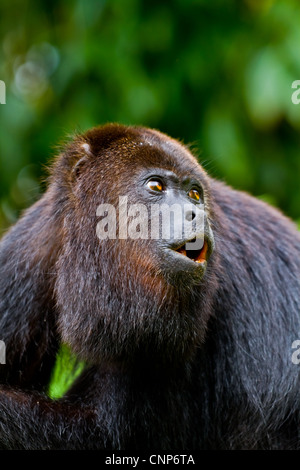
pixel 190 215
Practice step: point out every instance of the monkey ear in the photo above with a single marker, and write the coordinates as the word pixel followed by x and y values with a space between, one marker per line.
pixel 76 171
pixel 77 168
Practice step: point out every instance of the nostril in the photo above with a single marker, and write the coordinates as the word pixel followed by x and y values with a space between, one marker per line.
pixel 190 215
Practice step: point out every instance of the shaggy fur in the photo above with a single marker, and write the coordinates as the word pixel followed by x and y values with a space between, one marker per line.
pixel 174 361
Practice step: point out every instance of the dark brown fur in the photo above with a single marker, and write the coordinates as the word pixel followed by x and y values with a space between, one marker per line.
pixel 175 361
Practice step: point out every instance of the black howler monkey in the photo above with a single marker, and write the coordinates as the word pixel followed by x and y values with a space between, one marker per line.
pixel 186 347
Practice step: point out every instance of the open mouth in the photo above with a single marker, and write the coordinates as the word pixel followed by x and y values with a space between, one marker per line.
pixel 198 256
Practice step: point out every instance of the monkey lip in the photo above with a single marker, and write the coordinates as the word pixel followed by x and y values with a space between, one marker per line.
pixel 199 256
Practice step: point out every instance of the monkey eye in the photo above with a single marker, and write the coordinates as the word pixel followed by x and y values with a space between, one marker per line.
pixel 155 185
pixel 194 194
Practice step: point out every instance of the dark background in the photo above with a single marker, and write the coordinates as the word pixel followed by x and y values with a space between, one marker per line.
pixel 211 72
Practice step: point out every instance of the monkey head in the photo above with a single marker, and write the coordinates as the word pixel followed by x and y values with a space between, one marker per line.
pixel 135 265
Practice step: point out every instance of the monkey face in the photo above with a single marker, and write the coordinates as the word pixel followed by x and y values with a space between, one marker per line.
pixel 157 199
pixel 178 222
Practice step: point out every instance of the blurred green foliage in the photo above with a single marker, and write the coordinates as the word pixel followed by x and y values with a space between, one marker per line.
pixel 67 369
pixel 216 73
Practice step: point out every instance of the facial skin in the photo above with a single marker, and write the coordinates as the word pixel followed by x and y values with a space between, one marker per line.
pixel 179 200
